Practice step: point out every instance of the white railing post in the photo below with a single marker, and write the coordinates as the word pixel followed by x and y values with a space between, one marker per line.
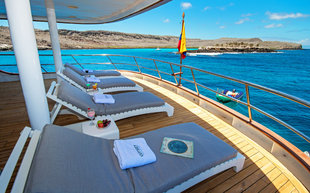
pixel 52 25
pixel 28 63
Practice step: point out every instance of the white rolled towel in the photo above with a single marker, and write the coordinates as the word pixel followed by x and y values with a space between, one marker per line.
pixel 133 153
pixel 103 98
pixel 92 79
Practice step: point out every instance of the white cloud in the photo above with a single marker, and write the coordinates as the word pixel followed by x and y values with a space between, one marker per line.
pixel 166 20
pixel 280 16
pixel 304 41
pixel 273 25
pixel 222 27
pixel 241 21
pixel 186 5
pixel 206 8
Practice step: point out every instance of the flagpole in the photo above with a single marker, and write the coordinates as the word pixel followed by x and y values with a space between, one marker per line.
pixel 181 54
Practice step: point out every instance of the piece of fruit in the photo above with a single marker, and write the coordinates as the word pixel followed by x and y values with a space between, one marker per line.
pixel 100 124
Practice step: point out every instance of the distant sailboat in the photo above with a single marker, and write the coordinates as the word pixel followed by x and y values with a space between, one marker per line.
pixel 157 48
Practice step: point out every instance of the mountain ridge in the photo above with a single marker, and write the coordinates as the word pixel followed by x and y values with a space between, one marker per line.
pixel 71 39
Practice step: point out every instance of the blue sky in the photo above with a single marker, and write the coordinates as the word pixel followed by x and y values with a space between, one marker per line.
pixel 283 20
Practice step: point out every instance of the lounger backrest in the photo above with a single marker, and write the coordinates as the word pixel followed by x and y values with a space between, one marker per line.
pixel 75 77
pixel 94 72
pixel 76 97
pixel 76 69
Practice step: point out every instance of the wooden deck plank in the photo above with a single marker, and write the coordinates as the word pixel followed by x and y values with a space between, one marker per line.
pixel 264 181
pixel 222 177
pixel 287 188
pixel 294 191
pixel 276 184
pixel 242 175
pixel 251 179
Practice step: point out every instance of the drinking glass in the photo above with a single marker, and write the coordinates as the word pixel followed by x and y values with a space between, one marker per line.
pixel 88 85
pixel 95 86
pixel 91 114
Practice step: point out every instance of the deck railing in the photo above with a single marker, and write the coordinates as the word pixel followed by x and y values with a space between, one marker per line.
pixel 178 78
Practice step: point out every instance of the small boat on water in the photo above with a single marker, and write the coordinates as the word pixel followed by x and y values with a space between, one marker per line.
pixel 225 94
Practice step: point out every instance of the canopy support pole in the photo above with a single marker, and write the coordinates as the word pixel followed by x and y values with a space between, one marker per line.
pixel 52 25
pixel 28 63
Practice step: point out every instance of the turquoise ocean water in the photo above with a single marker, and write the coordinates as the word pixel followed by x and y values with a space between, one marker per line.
pixel 287 71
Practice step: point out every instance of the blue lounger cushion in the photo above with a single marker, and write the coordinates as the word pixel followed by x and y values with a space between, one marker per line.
pixel 169 170
pixel 133 100
pixel 68 161
pixel 94 72
pixel 116 82
pixel 75 77
pixel 123 102
pixel 103 84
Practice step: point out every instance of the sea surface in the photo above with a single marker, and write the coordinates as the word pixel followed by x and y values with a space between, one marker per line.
pixel 287 71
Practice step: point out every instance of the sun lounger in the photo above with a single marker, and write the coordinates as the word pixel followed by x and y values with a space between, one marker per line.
pixel 126 104
pixel 97 73
pixel 105 85
pixel 62 160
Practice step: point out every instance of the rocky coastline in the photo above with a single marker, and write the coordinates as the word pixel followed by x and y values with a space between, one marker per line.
pixel 232 50
pixel 71 39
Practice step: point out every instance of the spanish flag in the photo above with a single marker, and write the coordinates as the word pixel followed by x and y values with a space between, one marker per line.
pixel 182 41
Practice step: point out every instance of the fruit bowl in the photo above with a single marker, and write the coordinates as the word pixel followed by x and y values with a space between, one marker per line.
pixel 103 123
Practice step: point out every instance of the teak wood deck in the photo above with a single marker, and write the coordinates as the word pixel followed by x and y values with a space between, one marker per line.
pixel 261 173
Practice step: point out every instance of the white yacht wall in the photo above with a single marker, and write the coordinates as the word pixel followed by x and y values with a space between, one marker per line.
pixel 51 17
pixel 28 63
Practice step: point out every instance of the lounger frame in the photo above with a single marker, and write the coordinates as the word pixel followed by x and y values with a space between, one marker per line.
pixel 106 90
pixel 53 91
pixel 21 178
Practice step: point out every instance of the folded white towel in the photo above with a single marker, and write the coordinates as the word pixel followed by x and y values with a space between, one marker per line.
pixel 133 153
pixel 92 79
pixel 103 98
pixel 87 70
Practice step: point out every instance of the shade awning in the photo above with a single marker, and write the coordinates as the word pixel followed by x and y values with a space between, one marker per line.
pixel 89 11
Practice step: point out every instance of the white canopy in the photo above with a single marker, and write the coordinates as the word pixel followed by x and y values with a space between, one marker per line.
pixel 89 11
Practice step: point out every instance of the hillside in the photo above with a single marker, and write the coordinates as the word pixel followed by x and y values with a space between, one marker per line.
pixel 251 42
pixel 70 39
